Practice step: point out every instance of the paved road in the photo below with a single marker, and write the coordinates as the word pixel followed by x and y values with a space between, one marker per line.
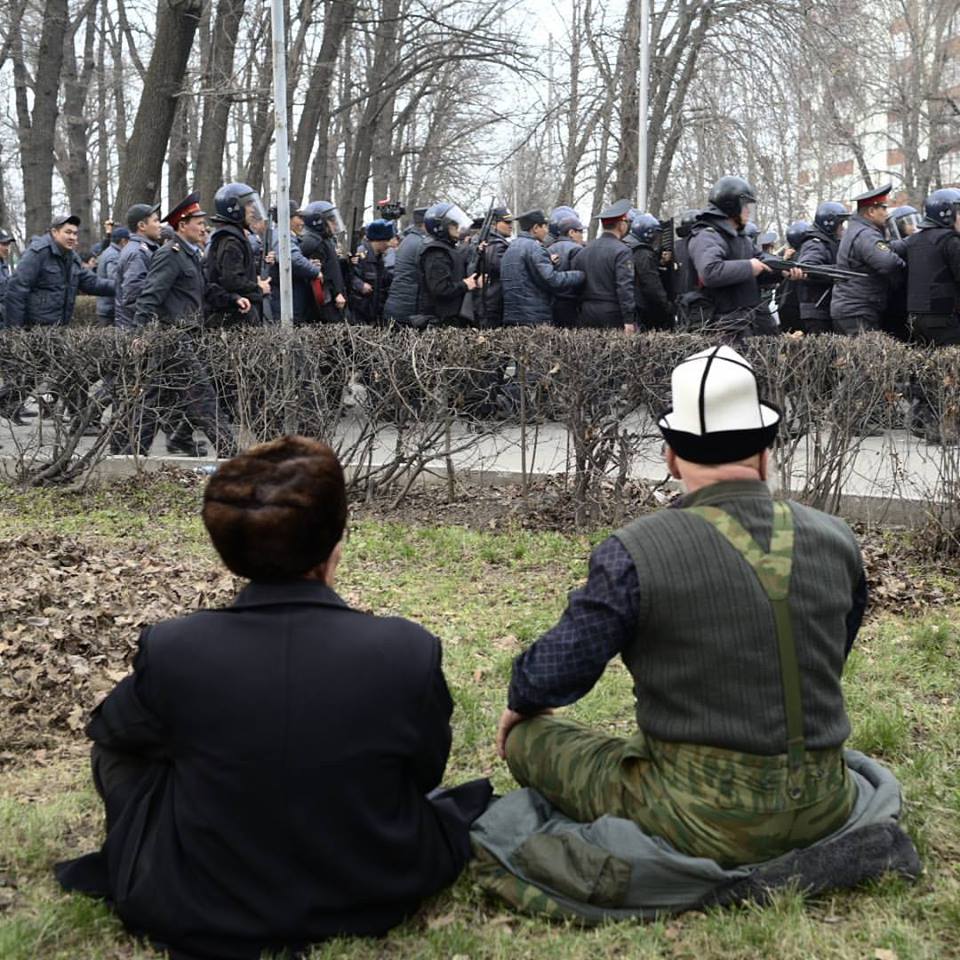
pixel 892 465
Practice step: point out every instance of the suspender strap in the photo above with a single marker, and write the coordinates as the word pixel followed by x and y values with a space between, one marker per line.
pixel 773 571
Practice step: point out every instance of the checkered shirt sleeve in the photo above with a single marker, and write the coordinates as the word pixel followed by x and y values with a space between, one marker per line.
pixel 600 619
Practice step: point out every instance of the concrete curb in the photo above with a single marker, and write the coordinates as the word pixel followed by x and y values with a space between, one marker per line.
pixel 888 511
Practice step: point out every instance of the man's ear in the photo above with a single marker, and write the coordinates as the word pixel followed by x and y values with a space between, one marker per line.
pixel 671 459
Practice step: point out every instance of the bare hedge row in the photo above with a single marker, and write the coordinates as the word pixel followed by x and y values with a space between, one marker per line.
pixel 398 402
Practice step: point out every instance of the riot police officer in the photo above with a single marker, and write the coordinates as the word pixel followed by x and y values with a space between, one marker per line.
pixel 231 267
pixel 788 298
pixel 728 270
pixel 654 311
pixel 608 299
pixel 819 249
pixel 857 305
pixel 442 284
pixel 932 255
pixel 903 222
pixel 321 225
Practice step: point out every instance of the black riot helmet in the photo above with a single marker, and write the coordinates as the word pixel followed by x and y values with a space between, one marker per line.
pixel 942 206
pixel 797 232
pixel 830 215
pixel 731 195
pixel 687 219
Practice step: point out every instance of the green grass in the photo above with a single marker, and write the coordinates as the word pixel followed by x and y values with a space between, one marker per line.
pixel 486 595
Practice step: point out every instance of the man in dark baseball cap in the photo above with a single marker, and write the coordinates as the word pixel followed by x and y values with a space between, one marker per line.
pixel 141 213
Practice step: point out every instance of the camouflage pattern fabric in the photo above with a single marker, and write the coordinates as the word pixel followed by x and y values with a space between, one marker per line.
pixel 773 571
pixel 732 807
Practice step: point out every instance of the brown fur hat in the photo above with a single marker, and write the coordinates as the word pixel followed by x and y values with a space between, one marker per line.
pixel 277 510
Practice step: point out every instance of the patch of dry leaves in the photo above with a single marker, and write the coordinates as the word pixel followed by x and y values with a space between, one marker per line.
pixel 70 616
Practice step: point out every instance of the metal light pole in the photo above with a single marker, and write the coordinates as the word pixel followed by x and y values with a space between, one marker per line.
pixel 643 96
pixel 282 161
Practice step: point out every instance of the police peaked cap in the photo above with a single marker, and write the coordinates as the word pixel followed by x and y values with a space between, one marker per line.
pixel 871 197
pixel 186 208
pixel 616 211
pixel 5 237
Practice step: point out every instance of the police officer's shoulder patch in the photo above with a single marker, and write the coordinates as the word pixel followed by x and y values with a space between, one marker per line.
pixel 175 247
pixel 883 245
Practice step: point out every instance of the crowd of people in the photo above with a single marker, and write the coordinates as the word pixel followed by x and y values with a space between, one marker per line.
pixel 846 271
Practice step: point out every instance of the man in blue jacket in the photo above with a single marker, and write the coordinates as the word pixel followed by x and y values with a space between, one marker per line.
pixel 107 264
pixel 43 290
pixel 530 279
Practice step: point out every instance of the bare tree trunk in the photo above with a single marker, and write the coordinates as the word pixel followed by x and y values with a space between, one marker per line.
pixel 178 161
pixel 314 125
pixel 176 26
pixel 38 129
pixel 216 83
pixel 103 140
pixel 75 160
pixel 625 184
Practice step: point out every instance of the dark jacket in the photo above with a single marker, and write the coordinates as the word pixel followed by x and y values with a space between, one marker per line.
pixel 863 248
pixel 369 269
pixel 43 288
pixel 720 256
pixel 607 298
pixel 530 281
pixel 4 280
pixel 230 269
pixel 442 269
pixel 132 267
pixel 932 256
pixel 302 275
pixel 173 289
pixel 818 250
pixel 405 289
pixel 653 306
pixel 107 270
pixel 316 246
pixel 488 302
pixel 294 740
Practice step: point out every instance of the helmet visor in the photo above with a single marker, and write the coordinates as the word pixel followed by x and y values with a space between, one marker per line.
pixel 456 215
pixel 905 223
pixel 748 211
pixel 254 207
pixel 335 221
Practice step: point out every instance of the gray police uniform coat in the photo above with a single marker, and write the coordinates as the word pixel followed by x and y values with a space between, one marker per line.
pixel 607 299
pixel 858 304
pixel 132 267
pixel 530 281
pixel 174 286
pixel 43 288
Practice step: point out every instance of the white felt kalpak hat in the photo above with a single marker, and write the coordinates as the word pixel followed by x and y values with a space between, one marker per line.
pixel 717 414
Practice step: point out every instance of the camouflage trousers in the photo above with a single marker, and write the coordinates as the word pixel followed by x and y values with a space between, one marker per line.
pixel 707 802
